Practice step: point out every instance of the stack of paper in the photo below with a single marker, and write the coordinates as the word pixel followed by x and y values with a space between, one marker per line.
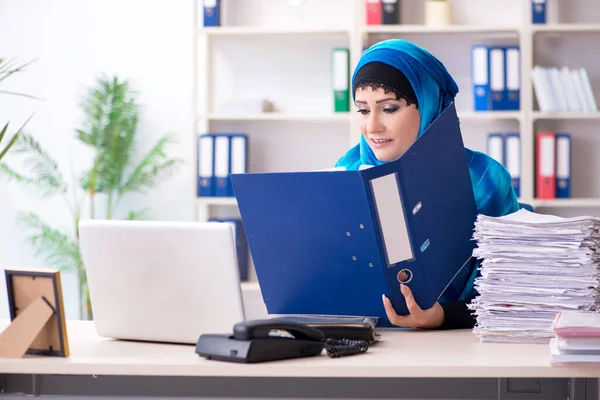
pixel 534 266
pixel 577 338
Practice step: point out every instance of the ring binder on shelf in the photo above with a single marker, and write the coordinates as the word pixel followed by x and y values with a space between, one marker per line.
pixel 332 242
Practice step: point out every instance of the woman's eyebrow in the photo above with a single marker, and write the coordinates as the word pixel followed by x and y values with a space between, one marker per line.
pixel 378 101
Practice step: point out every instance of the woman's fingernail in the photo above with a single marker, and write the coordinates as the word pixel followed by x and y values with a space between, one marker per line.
pixel 403 288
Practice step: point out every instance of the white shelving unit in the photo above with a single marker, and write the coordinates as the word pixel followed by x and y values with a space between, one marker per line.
pixel 268 49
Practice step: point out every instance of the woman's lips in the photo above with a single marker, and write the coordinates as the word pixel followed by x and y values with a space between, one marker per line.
pixel 380 143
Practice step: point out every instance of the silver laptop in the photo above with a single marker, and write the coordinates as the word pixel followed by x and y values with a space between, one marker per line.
pixel 161 281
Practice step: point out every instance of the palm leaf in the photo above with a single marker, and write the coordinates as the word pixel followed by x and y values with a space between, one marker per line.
pixel 138 214
pixel 154 166
pixel 43 167
pixel 14 139
pixel 110 124
pixel 12 175
pixel 55 247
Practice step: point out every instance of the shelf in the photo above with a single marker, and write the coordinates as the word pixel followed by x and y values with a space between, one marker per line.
pixel 573 202
pixel 475 29
pixel 573 28
pixel 565 115
pixel 264 31
pixel 333 117
pixel 488 115
pixel 216 201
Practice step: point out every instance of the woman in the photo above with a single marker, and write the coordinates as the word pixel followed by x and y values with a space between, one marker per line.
pixel 399 89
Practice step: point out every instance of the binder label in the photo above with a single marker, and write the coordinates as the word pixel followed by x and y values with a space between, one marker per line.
pixel 386 196
pixel 547 152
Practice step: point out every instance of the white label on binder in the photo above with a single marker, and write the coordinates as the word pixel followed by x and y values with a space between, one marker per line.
pixel 480 65
pixel 238 155
pixel 340 70
pixel 210 3
pixel 547 156
pixel 512 69
pixel 222 156
pixel 389 1
pixel 205 150
pixel 390 211
pixel 562 157
pixel 496 148
pixel 513 159
pixel 497 69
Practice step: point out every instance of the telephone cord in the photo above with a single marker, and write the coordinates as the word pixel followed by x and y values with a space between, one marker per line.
pixel 345 347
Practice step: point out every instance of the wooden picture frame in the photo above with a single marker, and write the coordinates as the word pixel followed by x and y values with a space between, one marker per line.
pixel 38 325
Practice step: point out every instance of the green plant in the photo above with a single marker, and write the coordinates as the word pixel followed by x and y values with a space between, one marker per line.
pixel 7 68
pixel 109 129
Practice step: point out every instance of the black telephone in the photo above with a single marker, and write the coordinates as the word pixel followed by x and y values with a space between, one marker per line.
pixel 271 339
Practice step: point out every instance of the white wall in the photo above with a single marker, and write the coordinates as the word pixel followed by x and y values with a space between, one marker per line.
pixel 73 42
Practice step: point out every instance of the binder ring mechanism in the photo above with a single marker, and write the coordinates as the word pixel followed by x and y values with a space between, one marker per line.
pixel 404 276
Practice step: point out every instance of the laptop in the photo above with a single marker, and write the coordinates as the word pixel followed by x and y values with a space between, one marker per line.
pixel 161 281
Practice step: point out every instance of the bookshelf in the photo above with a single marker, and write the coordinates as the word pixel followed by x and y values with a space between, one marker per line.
pixel 266 48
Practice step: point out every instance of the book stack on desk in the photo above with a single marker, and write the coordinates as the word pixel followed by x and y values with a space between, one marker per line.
pixel 534 266
pixel 577 338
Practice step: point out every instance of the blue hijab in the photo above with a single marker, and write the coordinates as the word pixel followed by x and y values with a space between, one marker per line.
pixel 435 90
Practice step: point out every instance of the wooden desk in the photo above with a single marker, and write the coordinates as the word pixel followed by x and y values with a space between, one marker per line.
pixel 404 363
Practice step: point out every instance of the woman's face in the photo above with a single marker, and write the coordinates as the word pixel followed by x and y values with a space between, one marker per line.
pixel 390 126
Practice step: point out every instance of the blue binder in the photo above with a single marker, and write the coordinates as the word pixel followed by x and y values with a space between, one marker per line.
pixel 332 242
pixel 497 57
pixel 480 73
pixel 512 86
pixel 538 11
pixel 206 165
pixel 513 159
pixel 563 165
pixel 212 12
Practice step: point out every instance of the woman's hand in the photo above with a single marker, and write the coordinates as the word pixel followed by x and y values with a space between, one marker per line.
pixel 418 318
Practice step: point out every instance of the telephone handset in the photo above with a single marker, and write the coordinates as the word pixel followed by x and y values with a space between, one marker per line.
pixel 271 339
pixel 265 328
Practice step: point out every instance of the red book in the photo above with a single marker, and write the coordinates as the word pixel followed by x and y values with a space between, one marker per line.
pixel 546 165
pixel 374 13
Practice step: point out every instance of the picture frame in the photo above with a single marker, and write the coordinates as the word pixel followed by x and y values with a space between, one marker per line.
pixel 38 323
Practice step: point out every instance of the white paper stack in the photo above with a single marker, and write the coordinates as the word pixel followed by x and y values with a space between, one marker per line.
pixel 534 266
pixel 577 338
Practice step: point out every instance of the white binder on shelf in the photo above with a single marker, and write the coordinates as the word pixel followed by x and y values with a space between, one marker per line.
pixel 560 95
pixel 587 88
pixel 570 91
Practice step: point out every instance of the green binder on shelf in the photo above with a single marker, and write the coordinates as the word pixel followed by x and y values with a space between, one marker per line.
pixel 341 79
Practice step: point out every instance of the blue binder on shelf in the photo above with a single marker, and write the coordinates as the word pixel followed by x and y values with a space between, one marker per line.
pixel 538 11
pixel 332 242
pixel 212 12
pixel 513 159
pixel 480 73
pixel 512 86
pixel 563 165
pixel 238 157
pixel 222 165
pixel 205 157
pixel 497 77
